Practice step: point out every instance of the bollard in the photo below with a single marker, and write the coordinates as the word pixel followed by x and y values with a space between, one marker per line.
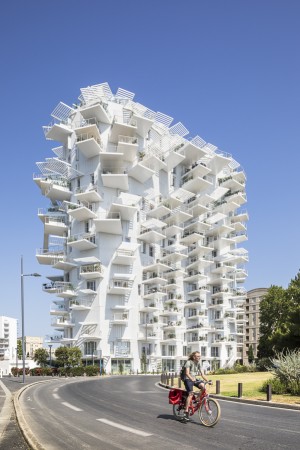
pixel 240 390
pixel 269 392
pixel 179 383
pixel 167 379
pixel 172 379
pixel 218 387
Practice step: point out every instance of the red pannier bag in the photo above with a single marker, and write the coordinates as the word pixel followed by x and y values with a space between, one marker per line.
pixel 175 396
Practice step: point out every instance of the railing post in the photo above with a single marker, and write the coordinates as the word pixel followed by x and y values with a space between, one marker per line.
pixel 269 392
pixel 240 390
pixel 167 379
pixel 172 379
pixel 218 387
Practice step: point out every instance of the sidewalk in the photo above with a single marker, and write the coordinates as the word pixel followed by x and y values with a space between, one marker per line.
pixel 10 435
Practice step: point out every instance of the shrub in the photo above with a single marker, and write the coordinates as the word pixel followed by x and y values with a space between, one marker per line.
pixel 91 371
pixel 277 386
pixel 263 364
pixel 77 371
pixel 287 370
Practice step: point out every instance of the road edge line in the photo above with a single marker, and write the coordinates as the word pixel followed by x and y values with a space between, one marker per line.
pixel 6 410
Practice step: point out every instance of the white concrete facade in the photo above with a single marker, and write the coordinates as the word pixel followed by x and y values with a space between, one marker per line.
pixel 144 227
pixel 8 343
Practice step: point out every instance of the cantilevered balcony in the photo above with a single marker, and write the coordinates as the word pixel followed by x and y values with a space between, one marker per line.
pixel 58 132
pixel 191 236
pixel 154 278
pixel 128 146
pixel 63 263
pixel 199 262
pixel 122 127
pixel 125 254
pixel 151 231
pixel 109 223
pixel 115 177
pixel 55 225
pixel 174 253
pixel 54 187
pixel 66 291
pixel 161 210
pixel 222 268
pixel 120 286
pixel 197 289
pixel 156 266
pixel 154 292
pixel 62 323
pixel 88 194
pixel 192 153
pixel 91 271
pixel 200 248
pixel 98 110
pixel 140 172
pixel 59 309
pixel 195 275
pixel 218 161
pixel 197 169
pixel 177 216
pixel 199 204
pixel 81 304
pixel 154 158
pixel 173 157
pixel 195 302
pixel 235 181
pixel 239 216
pixel 237 198
pixel 125 205
pixel 239 237
pixel 81 212
pixel 196 184
pixel 120 318
pixel 143 124
pixel 48 257
pixel 88 138
pixel 82 241
pixel 150 306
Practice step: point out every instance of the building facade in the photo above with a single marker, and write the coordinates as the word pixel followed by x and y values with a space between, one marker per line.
pixel 32 343
pixel 251 310
pixel 144 228
pixel 8 343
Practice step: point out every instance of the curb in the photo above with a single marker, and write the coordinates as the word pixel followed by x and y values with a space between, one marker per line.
pixel 250 402
pixel 6 410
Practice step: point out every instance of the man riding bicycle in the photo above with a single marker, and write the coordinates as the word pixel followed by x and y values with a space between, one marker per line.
pixel 192 369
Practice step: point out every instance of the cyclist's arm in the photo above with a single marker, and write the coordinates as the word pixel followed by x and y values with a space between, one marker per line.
pixel 203 376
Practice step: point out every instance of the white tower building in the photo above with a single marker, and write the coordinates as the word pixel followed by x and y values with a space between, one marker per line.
pixel 143 225
pixel 8 344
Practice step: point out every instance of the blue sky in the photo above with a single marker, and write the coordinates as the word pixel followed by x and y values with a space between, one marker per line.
pixel 228 70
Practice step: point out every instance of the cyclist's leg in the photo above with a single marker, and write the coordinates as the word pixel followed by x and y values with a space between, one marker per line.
pixel 189 389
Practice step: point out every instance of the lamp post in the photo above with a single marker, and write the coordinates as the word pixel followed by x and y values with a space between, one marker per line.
pixel 50 360
pixel 22 312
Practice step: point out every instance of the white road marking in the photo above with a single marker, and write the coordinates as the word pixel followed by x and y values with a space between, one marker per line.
pixel 71 406
pixel 260 426
pixel 56 396
pixel 123 427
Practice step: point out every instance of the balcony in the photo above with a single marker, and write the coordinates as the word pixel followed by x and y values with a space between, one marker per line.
pixel 54 187
pixel 88 194
pixel 154 293
pixel 88 138
pixel 196 184
pixel 143 124
pixel 239 237
pixel 120 319
pixel 150 306
pixel 199 205
pixel 140 172
pixel 109 223
pixel 190 237
pixel 82 241
pixel 194 302
pixel 153 158
pixel 237 198
pixel 128 146
pixel 125 205
pixel 218 161
pixel 199 248
pixel 81 304
pixel 59 310
pixel 174 157
pixel 62 323
pixel 49 257
pixel 177 216
pixel 151 336
pixel 154 278
pixel 235 181
pixel 196 289
pixel 125 254
pixel 241 216
pixel 80 212
pixel 63 263
pixel 55 225
pixel 66 291
pixel 161 210
pixel 115 178
pixel 91 271
pixel 195 275
pixel 122 127
pixel 151 231
pixel 199 262
pixel 98 110
pixel 192 153
pixel 173 253
pixel 120 287
pixel 57 132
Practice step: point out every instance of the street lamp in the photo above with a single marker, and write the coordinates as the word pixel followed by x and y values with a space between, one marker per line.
pixel 22 312
pixel 50 361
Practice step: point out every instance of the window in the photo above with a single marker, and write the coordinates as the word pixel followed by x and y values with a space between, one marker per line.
pixel 91 285
pixel 214 352
pixel 203 351
pixel 139 289
pixel 151 250
pixel 90 348
pixel 86 226
pixel 144 247
pixel 92 178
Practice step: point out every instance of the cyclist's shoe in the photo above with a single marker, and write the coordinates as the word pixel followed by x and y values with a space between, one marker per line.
pixel 209 412
pixel 186 417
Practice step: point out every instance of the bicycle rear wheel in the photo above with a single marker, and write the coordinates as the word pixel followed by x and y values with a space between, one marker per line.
pixel 209 412
pixel 178 411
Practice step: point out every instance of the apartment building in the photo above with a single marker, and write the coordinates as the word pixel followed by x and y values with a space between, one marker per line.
pixel 8 343
pixel 143 229
pixel 32 343
pixel 251 310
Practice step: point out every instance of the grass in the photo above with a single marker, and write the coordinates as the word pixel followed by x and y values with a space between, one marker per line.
pixel 252 381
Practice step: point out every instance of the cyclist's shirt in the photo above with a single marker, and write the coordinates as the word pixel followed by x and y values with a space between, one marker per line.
pixel 194 367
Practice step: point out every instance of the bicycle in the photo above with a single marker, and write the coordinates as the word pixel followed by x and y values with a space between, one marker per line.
pixel 208 408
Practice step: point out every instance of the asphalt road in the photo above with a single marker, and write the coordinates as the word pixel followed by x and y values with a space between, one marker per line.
pixel 133 413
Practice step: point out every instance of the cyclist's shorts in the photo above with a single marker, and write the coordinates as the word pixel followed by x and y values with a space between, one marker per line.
pixel 189 384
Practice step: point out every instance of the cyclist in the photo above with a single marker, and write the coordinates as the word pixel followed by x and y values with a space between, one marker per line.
pixel 192 369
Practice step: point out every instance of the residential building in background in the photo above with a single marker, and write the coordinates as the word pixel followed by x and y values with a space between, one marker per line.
pixel 32 343
pixel 8 343
pixel 143 229
pixel 251 310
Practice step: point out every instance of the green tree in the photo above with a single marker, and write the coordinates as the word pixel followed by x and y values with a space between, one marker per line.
pixel 74 357
pixel 280 319
pixel 250 354
pixel 19 348
pixel 41 356
pixel 62 356
pixel 68 356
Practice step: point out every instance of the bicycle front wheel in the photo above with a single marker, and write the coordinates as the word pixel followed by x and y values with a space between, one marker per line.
pixel 209 412
pixel 178 411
